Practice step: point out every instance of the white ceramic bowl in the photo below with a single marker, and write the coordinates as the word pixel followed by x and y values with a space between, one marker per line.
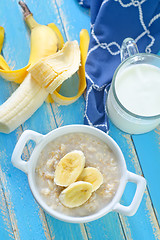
pixel 42 140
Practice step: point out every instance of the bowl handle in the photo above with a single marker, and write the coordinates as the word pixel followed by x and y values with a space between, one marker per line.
pixel 132 208
pixel 16 156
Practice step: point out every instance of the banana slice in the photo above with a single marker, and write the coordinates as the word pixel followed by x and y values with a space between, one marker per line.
pixel 93 176
pixel 76 194
pixel 69 168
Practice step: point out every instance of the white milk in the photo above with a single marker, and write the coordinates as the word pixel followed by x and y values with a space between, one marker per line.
pixel 138 90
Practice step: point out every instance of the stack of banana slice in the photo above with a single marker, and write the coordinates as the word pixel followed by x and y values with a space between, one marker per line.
pixel 51 63
pixel 80 182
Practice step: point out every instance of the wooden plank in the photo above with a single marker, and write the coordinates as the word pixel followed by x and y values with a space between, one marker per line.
pixel 6 231
pixel 148 150
pixel 62 230
pixel 144 223
pixel 106 228
pixel 74 18
pixel 20 202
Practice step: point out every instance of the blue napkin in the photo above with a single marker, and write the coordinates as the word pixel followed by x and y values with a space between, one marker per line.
pixel 111 22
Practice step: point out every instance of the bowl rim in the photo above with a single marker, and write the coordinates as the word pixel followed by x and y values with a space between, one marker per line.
pixel 74 129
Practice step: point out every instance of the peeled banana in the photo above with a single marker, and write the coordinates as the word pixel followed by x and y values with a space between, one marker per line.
pixel 36 86
pixel 31 93
pixel 76 194
pixel 69 168
pixel 50 72
pixel 93 176
pixel 28 97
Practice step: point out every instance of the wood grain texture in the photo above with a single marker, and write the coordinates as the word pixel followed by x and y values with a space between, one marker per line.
pixel 148 150
pixel 20 216
pixel 6 231
pixel 144 223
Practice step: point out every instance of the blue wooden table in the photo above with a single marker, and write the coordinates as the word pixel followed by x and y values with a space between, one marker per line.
pixel 20 216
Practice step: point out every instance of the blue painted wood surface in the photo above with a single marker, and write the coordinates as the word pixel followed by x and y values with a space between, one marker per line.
pixel 20 216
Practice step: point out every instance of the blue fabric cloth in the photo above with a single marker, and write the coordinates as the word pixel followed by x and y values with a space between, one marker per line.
pixel 111 22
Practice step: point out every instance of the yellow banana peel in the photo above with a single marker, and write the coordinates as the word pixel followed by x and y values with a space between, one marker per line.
pixel 1 37
pixel 3 63
pixel 84 43
pixel 59 35
pixel 5 71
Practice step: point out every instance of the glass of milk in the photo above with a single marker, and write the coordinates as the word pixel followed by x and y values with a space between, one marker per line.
pixel 133 101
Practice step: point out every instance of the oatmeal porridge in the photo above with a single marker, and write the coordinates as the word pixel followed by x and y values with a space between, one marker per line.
pixel 97 155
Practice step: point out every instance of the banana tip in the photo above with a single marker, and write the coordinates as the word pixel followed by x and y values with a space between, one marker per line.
pixel 25 8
